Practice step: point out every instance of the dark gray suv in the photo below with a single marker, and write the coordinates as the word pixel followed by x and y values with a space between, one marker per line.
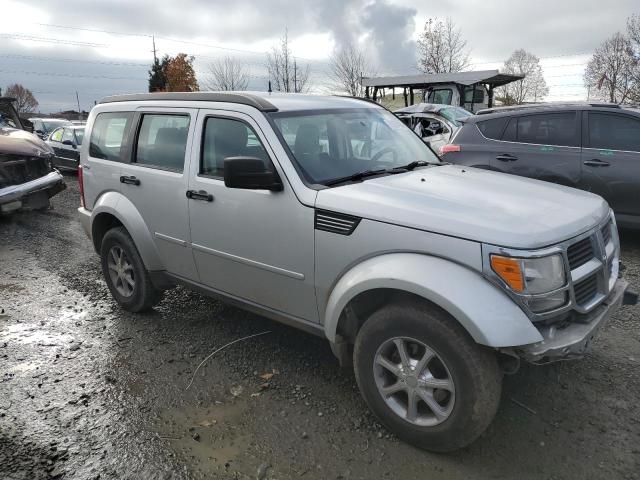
pixel 594 147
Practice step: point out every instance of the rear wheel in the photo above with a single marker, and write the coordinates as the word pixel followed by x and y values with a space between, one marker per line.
pixel 425 378
pixel 125 273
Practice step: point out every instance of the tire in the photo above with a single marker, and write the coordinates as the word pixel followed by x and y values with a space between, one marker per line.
pixel 471 375
pixel 140 296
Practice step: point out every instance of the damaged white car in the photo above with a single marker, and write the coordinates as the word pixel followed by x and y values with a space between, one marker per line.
pixel 27 179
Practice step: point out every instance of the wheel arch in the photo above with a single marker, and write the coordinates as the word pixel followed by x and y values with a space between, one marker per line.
pixel 484 311
pixel 112 210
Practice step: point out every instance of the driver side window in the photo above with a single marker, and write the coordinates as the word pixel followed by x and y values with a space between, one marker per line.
pixel 56 136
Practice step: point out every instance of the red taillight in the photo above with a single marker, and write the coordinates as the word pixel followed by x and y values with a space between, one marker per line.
pixel 81 186
pixel 449 149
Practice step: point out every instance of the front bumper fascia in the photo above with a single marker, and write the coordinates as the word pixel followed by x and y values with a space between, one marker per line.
pixel 573 340
pixel 52 183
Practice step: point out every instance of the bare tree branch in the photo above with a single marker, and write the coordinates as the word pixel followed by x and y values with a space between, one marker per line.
pixel 284 72
pixel 441 48
pixel 348 66
pixel 25 101
pixel 532 88
pixel 227 74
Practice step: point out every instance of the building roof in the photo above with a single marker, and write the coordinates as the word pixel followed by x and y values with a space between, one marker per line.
pixel 263 101
pixel 493 78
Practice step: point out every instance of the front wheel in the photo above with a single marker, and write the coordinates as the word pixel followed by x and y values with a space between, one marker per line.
pixel 425 378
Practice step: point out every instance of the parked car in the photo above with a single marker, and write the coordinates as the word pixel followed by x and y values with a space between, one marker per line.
pixel 594 147
pixel 27 179
pixel 427 276
pixel 44 126
pixel 65 142
pixel 435 123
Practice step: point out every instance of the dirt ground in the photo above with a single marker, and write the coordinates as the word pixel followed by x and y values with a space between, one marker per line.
pixel 88 391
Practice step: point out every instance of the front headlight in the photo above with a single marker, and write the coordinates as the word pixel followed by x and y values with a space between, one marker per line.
pixel 534 279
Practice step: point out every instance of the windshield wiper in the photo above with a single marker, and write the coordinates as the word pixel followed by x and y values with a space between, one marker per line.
pixel 415 164
pixel 358 176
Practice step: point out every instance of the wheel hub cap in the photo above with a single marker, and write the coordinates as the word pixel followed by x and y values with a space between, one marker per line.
pixel 121 271
pixel 414 381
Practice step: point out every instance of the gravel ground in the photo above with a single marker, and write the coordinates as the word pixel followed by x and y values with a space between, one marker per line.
pixel 88 391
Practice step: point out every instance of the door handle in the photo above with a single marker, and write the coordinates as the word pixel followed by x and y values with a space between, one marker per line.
pixel 129 180
pixel 596 163
pixel 199 195
pixel 505 157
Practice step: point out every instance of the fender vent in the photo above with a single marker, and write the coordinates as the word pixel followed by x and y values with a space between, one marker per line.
pixel 336 222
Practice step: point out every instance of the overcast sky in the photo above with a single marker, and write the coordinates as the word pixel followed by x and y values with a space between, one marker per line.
pixel 58 47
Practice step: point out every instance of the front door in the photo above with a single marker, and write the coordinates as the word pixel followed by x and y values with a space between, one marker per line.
pixel 545 146
pixel 611 160
pixel 257 245
pixel 155 181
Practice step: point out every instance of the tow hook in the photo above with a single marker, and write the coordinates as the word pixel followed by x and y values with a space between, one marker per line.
pixel 630 298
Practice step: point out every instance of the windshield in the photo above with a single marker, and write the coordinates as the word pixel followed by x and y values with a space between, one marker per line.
pixel 50 125
pixel 336 143
pixel 455 114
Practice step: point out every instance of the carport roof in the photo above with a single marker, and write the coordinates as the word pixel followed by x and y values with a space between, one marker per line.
pixel 492 78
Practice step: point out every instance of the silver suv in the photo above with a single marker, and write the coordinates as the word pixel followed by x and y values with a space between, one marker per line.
pixel 330 215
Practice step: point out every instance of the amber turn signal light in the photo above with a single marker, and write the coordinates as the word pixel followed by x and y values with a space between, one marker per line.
pixel 509 270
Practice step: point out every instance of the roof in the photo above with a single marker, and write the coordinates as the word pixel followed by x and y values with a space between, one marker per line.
pixel 263 101
pixel 7 99
pixel 498 112
pixel 493 78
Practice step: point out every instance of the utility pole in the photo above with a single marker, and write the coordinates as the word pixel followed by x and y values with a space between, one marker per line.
pixel 78 101
pixel 295 76
pixel 270 87
pixel 155 57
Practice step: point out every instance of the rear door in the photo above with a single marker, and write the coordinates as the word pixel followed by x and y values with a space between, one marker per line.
pixel 69 153
pixel 155 181
pixel 611 160
pixel 55 142
pixel 545 146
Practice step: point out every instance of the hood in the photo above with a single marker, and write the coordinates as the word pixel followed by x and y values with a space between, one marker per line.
pixel 473 204
pixel 19 142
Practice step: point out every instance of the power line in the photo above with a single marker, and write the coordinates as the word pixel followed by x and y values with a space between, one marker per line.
pixel 32 38
pixel 70 75
pixel 72 60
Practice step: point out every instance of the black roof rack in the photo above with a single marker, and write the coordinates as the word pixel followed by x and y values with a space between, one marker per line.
pixel 486 111
pixel 241 98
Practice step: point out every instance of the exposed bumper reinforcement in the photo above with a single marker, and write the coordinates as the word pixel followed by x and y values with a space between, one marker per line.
pixel 52 183
pixel 573 340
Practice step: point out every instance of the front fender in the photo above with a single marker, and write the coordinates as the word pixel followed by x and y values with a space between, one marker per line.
pixel 487 313
pixel 116 204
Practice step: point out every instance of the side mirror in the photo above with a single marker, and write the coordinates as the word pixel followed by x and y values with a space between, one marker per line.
pixel 41 132
pixel 67 142
pixel 249 173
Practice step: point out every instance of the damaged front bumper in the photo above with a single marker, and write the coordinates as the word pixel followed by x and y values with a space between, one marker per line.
pixel 573 340
pixel 14 197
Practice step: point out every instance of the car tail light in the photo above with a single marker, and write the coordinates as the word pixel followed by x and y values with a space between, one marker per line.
pixel 81 185
pixel 449 149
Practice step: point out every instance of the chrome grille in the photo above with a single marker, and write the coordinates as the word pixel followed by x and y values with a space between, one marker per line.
pixel 580 253
pixel 586 289
pixel 335 222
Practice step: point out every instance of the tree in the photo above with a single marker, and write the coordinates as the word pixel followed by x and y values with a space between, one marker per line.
pixel 180 74
pixel 284 72
pixel 441 48
pixel 25 101
pixel 633 32
pixel 227 74
pixel 612 72
pixel 348 65
pixel 531 88
pixel 157 74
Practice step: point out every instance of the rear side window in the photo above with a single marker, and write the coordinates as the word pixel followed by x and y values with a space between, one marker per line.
pixel 614 132
pixel 108 135
pixel 162 141
pixel 68 135
pixel 224 138
pixel 493 128
pixel 56 136
pixel 548 129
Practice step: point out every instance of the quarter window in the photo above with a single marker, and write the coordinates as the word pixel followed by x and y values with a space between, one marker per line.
pixel 56 136
pixel 493 128
pixel 614 132
pixel 162 141
pixel 224 138
pixel 108 135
